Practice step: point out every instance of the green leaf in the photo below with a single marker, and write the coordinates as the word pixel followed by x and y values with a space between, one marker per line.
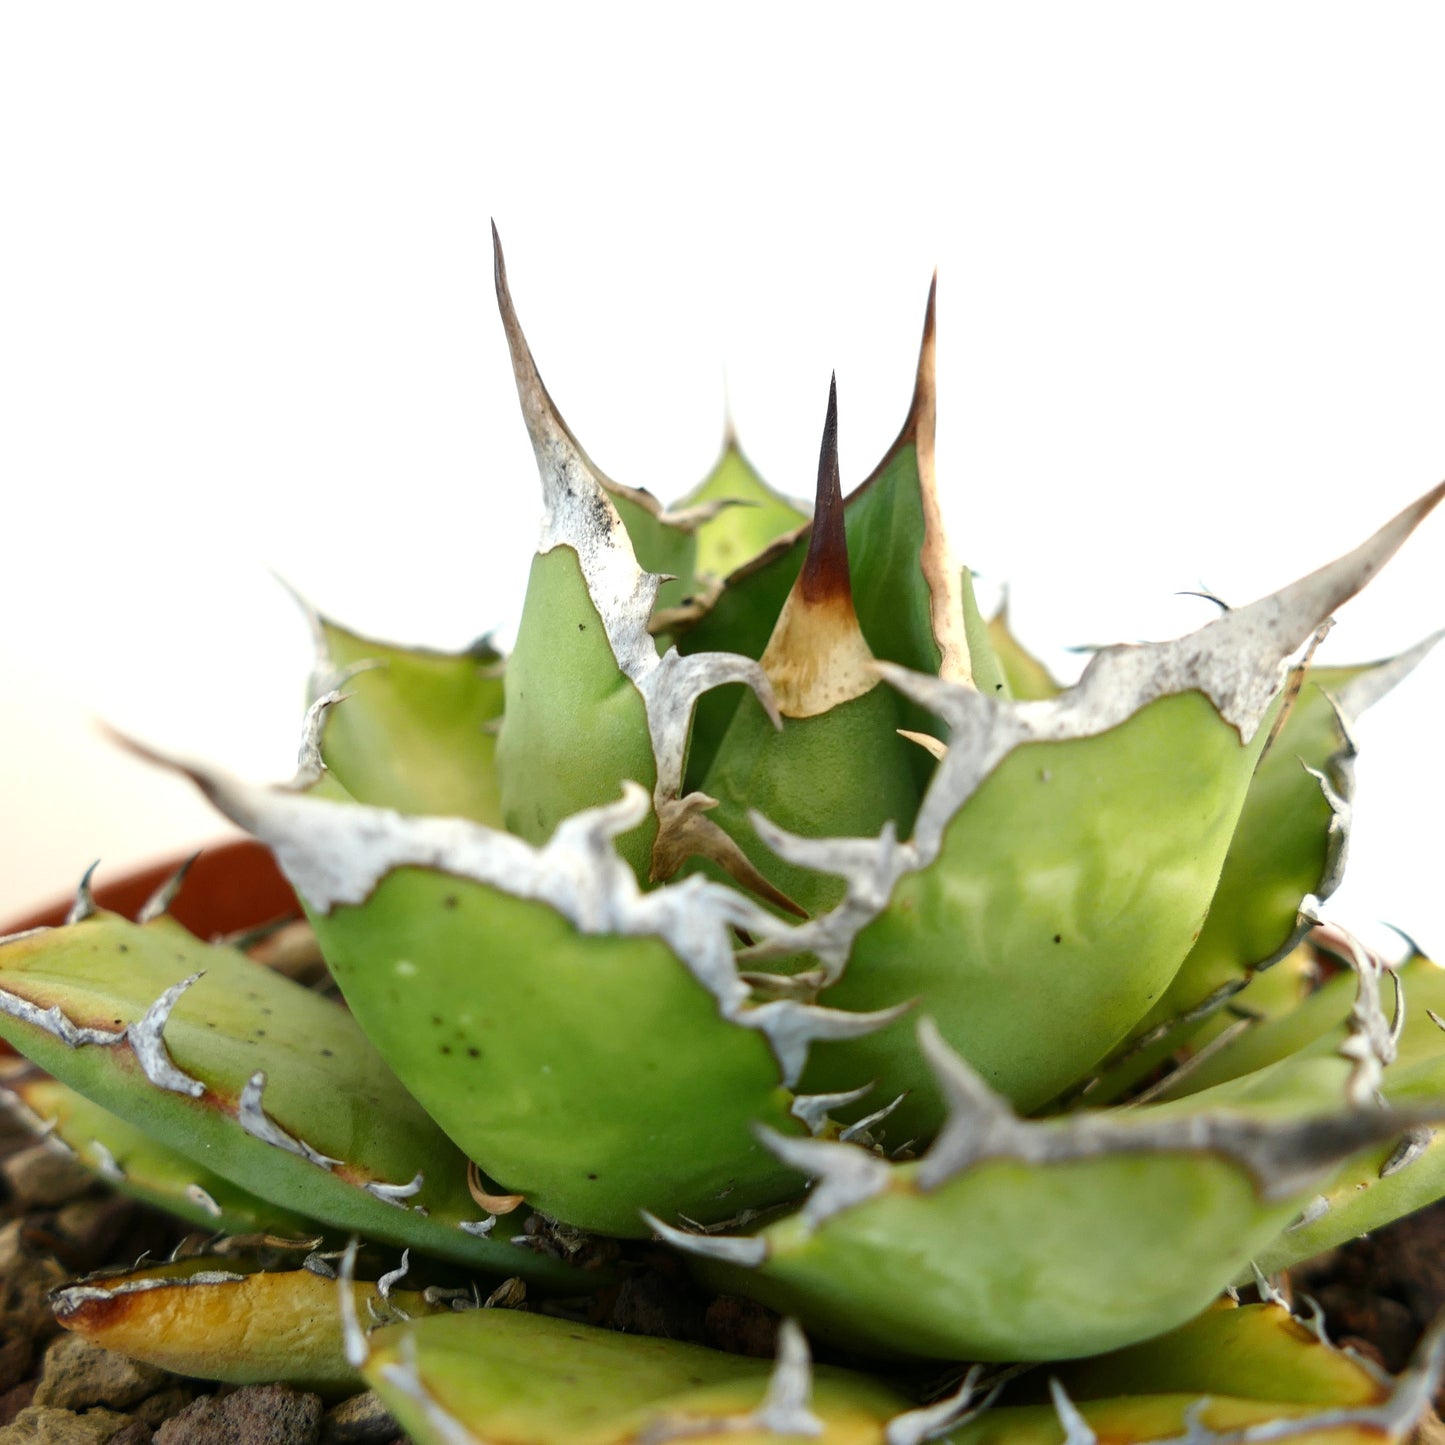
pixel 133 1162
pixel 1049 1240
pixel 416 728
pixel 274 1087
pixel 751 515
pixel 532 1380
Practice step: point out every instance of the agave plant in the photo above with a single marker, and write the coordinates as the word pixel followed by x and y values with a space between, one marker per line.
pixel 770 906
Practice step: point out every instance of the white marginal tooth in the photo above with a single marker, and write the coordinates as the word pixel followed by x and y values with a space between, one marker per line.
pixel 750 1253
pixel 394 1277
pixel 479 1227
pixel 1407 1151
pixel 353 1336
pixel 197 1195
pixel 784 1410
pixel 1077 1430
pixel 1317 1208
pixel 1362 692
pixel 790 1027
pixel 929 1422
pixel 1267 1291
pixel 309 763
pixel 148 1044
pixel 257 1123
pixel 395 1193
pixel 105 1163
pixel 812 1110
pixel 159 903
pixel 854 1131
pixel 846 1174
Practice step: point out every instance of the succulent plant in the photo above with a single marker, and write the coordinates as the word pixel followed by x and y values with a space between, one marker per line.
pixel 771 911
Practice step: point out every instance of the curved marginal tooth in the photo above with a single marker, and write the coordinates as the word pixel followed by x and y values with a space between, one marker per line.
pixel 24 1115
pixel 790 1027
pixel 53 1021
pixel 725 1249
pixel 855 1131
pixel 257 1123
pixel 871 867
pixel 148 1044
pixel 309 763
pixel 1077 1430
pixel 1407 1151
pixel 1371 685
pixel 394 1277
pixel 395 1193
pixel 845 1174
pixel 784 1410
pixel 1317 1208
pixel 84 905
pixel 979 1121
pixel 352 1335
pixel 929 1422
pixel 671 690
pixel 479 1227
pixel 318 1264
pixel 159 903
pixel 1371 1043
pixel 936 748
pixel 813 1110
pixel 1266 1288
pixel 197 1195
pixel 105 1162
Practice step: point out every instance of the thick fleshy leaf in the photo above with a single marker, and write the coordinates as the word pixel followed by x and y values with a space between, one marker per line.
pixel 219 1318
pixel 590 1045
pixel 131 1161
pixel 1030 1241
pixel 416 730
pixel 528 1379
pixel 1066 851
pixel 905 584
pixel 750 516
pixel 275 1087
pixel 1027 677
pixel 1231 1377
pixel 590 705
pixel 1386 1182
pixel 1290 841
pixel 1251 1352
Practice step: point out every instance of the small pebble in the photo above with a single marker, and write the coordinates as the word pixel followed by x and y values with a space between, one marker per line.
pixel 252 1415
pixel 44 1425
pixel 77 1374
pixel 43 1175
pixel 361 1420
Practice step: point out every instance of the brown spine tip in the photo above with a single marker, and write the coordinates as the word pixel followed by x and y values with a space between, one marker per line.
pixel 825 577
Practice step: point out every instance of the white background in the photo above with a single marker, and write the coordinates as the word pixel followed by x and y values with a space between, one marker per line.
pixel 1191 308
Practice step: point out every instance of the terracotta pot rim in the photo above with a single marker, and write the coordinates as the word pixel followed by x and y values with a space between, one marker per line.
pixel 232 885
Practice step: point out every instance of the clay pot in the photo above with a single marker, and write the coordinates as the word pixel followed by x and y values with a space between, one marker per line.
pixel 232 885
